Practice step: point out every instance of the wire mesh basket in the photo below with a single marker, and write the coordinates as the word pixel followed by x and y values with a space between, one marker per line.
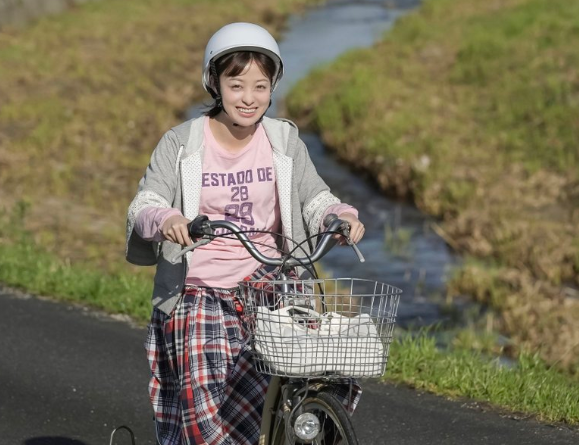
pixel 339 327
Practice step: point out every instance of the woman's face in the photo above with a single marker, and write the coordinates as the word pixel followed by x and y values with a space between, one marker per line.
pixel 245 96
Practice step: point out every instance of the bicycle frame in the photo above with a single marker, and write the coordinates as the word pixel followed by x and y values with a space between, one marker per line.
pixel 269 409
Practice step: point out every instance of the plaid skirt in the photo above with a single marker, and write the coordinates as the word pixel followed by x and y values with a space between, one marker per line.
pixel 204 387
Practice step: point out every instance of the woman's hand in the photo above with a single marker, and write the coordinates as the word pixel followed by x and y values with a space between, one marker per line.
pixel 175 229
pixel 356 227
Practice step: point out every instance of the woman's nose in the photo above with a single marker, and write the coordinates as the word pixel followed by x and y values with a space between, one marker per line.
pixel 247 97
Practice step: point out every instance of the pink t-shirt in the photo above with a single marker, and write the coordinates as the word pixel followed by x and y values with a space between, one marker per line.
pixel 238 187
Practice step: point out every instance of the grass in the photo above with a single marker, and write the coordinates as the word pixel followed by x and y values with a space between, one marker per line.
pixel 470 109
pixel 528 386
pixel 25 264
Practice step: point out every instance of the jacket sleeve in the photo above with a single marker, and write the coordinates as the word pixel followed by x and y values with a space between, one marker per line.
pixel 314 194
pixel 157 188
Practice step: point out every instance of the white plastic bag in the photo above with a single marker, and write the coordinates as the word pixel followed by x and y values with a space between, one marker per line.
pixel 298 341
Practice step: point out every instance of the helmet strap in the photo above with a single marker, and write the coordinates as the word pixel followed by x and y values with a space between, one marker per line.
pixel 215 89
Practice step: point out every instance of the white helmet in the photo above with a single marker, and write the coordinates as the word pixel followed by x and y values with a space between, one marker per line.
pixel 241 37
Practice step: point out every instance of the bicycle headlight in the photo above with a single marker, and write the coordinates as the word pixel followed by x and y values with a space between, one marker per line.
pixel 307 426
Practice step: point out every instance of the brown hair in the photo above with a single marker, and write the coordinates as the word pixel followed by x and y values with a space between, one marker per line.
pixel 234 64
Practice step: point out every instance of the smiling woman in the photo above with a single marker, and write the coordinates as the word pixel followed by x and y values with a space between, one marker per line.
pixel 248 91
pixel 237 165
pixel 240 73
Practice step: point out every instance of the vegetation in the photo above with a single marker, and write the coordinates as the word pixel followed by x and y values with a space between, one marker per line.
pixel 470 109
pixel 528 385
pixel 25 264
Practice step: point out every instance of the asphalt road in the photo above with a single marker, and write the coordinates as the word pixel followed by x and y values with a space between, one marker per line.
pixel 68 376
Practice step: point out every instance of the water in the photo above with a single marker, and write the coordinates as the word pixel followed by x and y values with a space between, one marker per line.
pixel 400 246
pixel 327 31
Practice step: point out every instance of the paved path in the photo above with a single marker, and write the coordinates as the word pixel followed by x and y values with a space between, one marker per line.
pixel 68 376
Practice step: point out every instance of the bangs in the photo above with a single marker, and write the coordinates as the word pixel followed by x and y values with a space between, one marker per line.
pixel 234 64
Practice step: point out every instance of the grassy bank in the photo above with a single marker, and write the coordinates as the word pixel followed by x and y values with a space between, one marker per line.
pixel 528 386
pixel 85 97
pixel 470 109
pixel 26 264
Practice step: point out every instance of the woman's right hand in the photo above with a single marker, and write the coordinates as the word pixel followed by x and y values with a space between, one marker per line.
pixel 175 229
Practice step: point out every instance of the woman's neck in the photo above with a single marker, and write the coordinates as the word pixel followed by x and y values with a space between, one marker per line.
pixel 231 137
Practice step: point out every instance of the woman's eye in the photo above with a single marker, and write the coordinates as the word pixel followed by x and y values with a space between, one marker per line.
pixel 235 87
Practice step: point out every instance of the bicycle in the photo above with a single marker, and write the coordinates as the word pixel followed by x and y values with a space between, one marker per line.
pixel 310 336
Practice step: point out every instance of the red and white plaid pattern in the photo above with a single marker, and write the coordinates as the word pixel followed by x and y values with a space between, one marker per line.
pixel 204 388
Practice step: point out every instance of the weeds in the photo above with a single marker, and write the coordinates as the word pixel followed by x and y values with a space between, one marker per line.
pixel 25 264
pixel 528 385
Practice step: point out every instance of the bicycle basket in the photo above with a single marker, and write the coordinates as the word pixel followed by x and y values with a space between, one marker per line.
pixel 328 327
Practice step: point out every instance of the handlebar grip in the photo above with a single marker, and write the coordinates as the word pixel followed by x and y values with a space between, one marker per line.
pixel 198 227
pixel 329 219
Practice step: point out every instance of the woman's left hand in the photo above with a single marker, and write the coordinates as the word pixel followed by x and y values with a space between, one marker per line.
pixel 356 227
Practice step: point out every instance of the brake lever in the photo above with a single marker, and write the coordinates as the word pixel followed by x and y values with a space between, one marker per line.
pixel 200 230
pixel 346 231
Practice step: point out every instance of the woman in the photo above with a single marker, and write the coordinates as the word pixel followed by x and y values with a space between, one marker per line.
pixel 234 164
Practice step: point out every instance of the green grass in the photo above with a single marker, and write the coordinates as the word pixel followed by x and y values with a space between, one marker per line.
pixel 27 265
pixel 528 385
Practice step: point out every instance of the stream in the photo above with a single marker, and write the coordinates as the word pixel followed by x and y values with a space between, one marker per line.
pixel 400 246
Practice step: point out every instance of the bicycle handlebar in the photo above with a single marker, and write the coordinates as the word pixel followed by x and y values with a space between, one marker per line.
pixel 202 227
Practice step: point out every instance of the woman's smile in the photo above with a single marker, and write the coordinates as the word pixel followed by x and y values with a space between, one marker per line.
pixel 247 111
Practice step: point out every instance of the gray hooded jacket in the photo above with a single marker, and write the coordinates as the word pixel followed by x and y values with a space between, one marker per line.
pixel 173 180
